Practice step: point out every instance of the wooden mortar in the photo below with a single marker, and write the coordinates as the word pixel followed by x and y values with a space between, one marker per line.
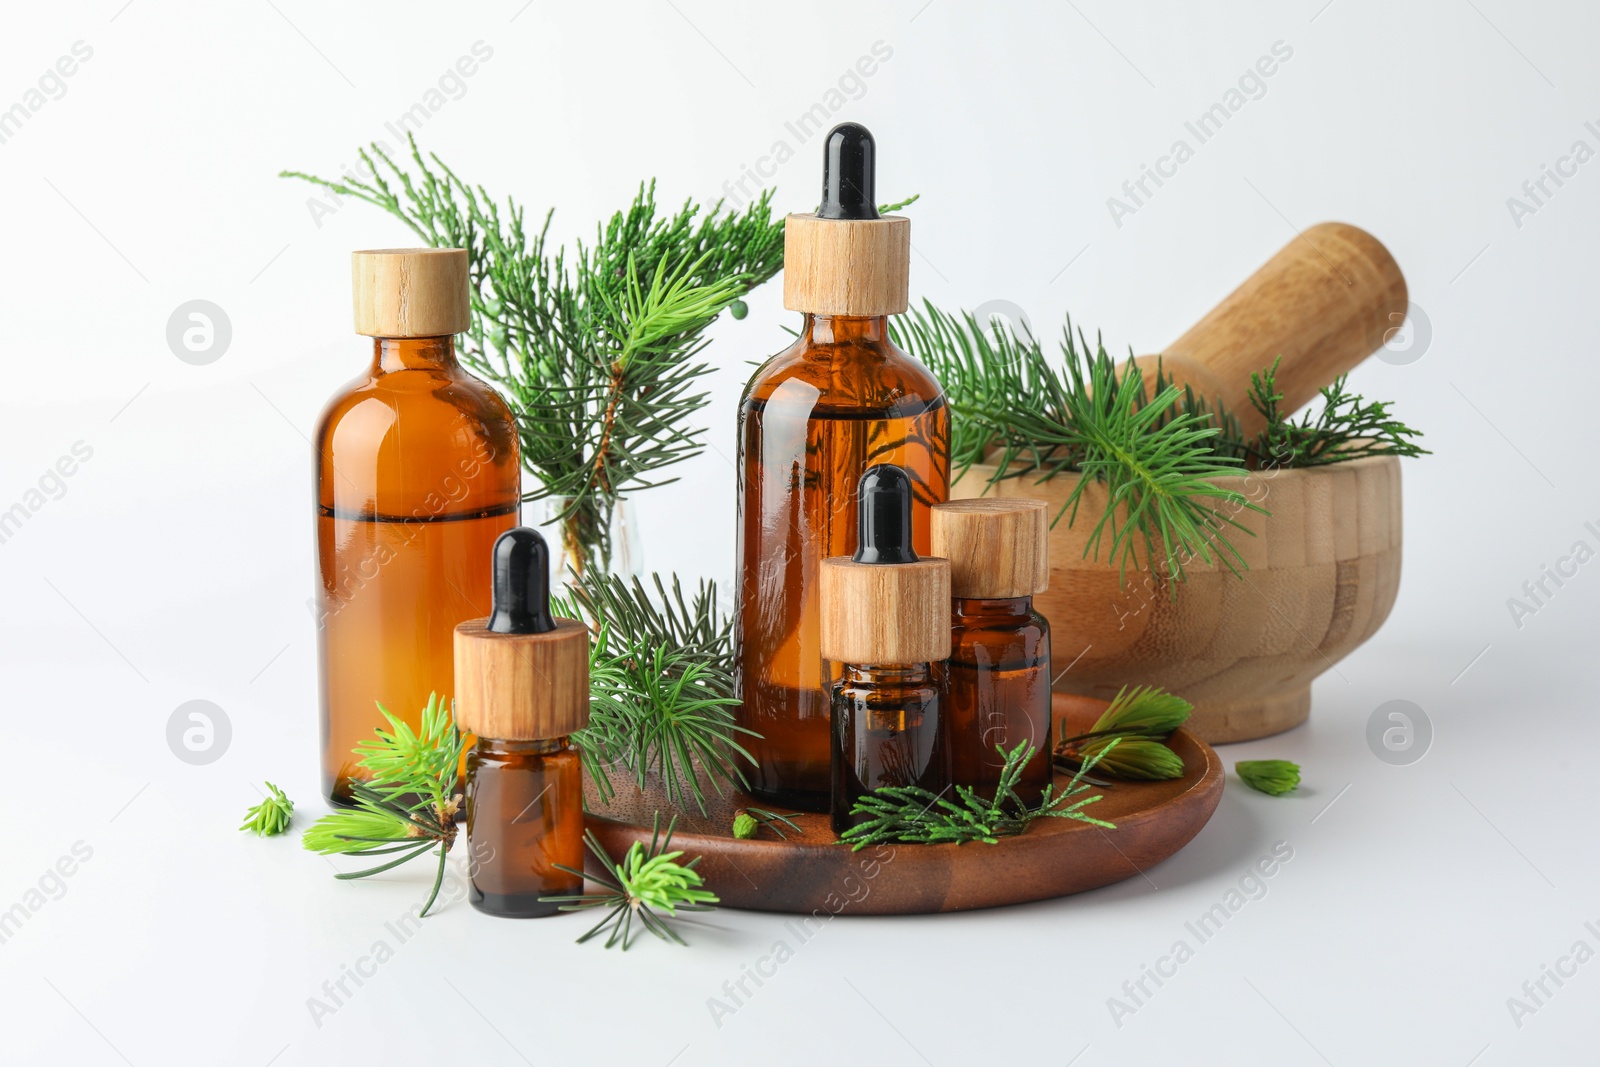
pixel 1324 566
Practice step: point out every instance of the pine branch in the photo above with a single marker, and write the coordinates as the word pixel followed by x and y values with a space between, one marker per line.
pixel 408 806
pixel 596 351
pixel 661 688
pixel 649 884
pixel 913 815
pixel 1347 427
pixel 1157 462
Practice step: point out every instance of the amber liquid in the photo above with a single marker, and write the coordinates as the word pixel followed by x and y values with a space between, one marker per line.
pixel 524 816
pixel 417 474
pixel 886 731
pixel 998 681
pixel 812 420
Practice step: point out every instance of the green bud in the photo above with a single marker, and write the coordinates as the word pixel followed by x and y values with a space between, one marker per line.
pixel 1133 757
pixel 738 309
pixel 1146 710
pixel 1272 776
pixel 745 826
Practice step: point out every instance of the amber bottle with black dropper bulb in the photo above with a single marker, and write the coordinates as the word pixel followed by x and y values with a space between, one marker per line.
pixel 812 419
pixel 417 473
pixel 886 627
pixel 999 670
pixel 522 686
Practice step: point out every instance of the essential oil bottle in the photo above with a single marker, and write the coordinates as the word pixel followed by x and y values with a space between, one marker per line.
pixel 522 686
pixel 999 671
pixel 812 419
pixel 886 625
pixel 417 473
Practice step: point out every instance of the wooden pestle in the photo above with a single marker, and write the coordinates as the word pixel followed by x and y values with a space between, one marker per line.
pixel 1324 303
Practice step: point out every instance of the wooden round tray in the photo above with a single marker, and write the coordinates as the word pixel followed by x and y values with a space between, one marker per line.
pixel 810 873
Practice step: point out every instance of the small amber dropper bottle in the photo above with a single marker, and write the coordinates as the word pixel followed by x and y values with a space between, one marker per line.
pixel 999 670
pixel 811 420
pixel 885 625
pixel 522 685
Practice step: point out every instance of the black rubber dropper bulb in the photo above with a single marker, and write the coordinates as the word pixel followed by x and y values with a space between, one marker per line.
pixel 521 584
pixel 884 515
pixel 849 160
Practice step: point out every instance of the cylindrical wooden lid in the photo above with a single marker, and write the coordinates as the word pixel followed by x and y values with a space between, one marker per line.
pixel 885 612
pixel 846 266
pixel 996 548
pixel 522 687
pixel 411 292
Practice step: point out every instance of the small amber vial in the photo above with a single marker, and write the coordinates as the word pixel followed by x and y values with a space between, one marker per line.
pixel 998 677
pixel 886 627
pixel 522 686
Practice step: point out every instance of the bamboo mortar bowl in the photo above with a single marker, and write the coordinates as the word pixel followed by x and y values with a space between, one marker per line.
pixel 1324 568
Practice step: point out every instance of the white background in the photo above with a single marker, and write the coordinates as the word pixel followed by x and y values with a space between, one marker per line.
pixel 177 563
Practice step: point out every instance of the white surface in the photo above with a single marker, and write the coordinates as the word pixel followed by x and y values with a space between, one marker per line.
pixel 176 563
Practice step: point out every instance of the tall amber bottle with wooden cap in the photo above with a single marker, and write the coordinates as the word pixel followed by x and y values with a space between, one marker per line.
pixel 522 686
pixel 999 670
pixel 417 473
pixel 885 626
pixel 812 419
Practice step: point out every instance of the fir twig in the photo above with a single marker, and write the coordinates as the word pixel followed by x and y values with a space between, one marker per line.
pixel 649 885
pixel 408 806
pixel 661 688
pixel 913 815
pixel 1346 427
pixel 1157 462
pixel 598 349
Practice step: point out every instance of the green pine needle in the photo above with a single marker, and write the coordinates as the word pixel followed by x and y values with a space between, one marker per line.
pixel 913 815
pixel 272 815
pixel 1274 777
pixel 408 806
pixel 747 823
pixel 649 885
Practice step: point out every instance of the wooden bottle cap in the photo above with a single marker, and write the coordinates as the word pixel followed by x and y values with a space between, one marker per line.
pixel 411 292
pixel 996 548
pixel 522 687
pixel 846 266
pixel 885 613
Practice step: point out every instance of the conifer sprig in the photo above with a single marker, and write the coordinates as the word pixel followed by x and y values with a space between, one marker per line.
pixel 597 348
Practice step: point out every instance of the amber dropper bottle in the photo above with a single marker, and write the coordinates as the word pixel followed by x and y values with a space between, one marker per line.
pixel 812 419
pixel 999 670
pixel 522 685
pixel 417 473
pixel 886 623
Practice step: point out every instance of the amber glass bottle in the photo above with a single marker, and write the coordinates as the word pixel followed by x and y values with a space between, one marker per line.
pixel 885 622
pixel 522 680
pixel 416 475
pixel 817 415
pixel 998 677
